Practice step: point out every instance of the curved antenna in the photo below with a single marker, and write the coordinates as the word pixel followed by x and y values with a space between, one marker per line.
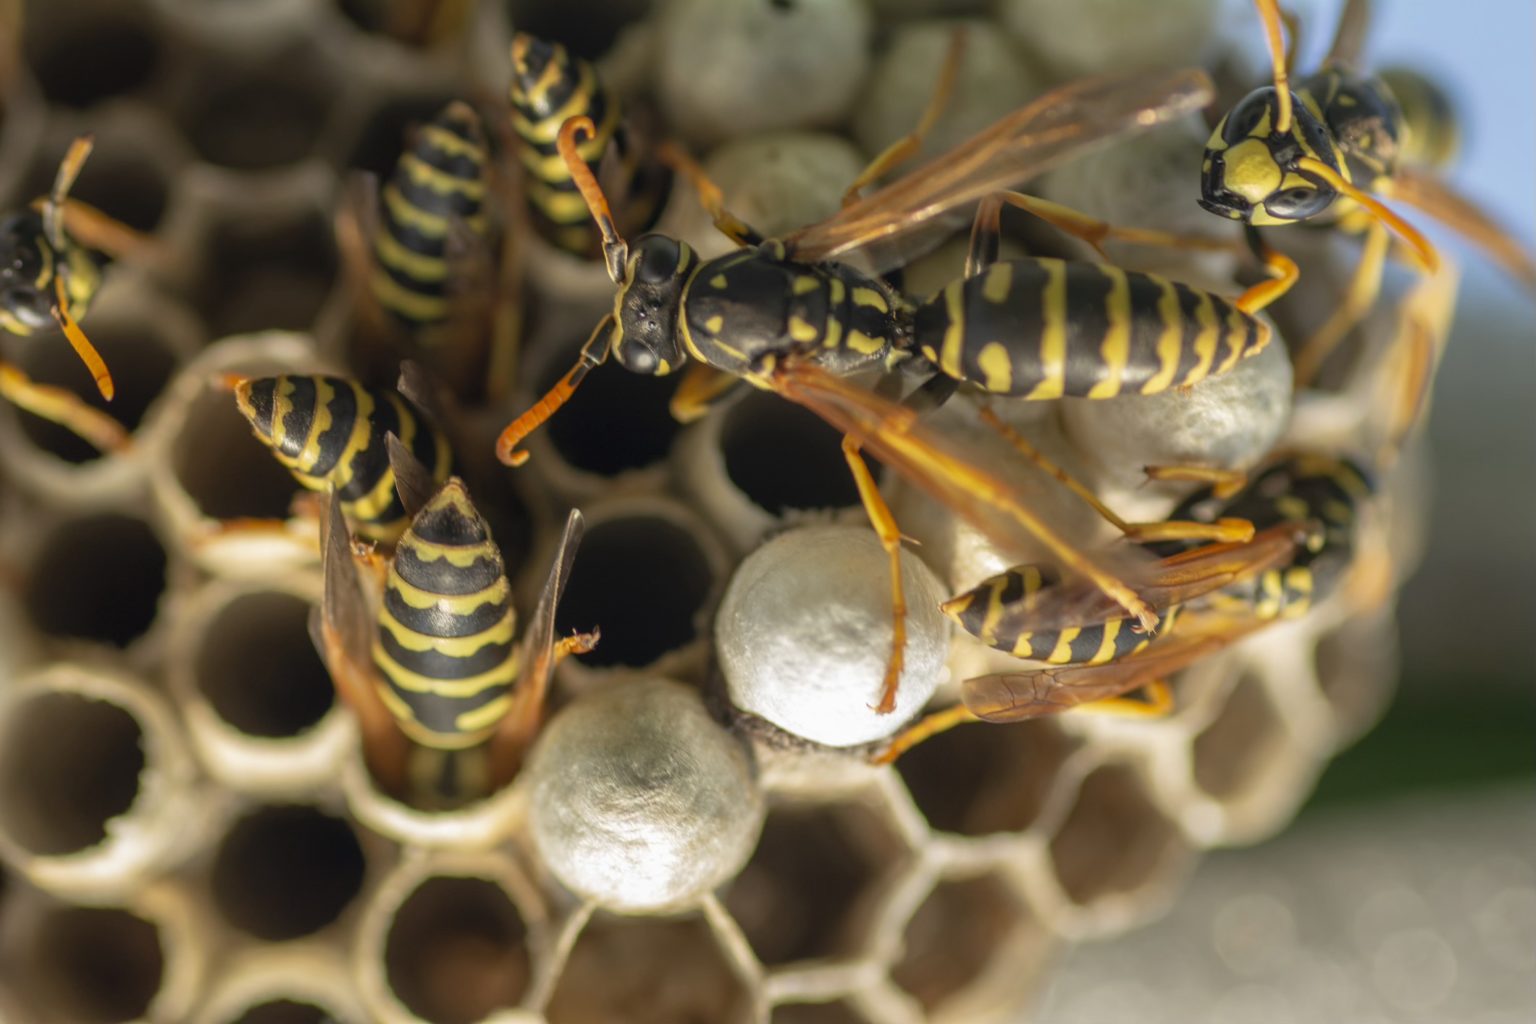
pixel 506 445
pixel 1274 38
pixel 615 251
pixel 1424 253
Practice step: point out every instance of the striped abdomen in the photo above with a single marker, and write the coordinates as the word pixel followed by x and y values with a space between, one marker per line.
pixel 444 645
pixel 998 611
pixel 440 182
pixel 550 86
pixel 331 430
pixel 1303 488
pixel 1045 328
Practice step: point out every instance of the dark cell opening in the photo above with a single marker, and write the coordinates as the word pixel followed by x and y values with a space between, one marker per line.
pixel 284 872
pixel 256 118
pixel 457 951
pixel 981 779
pixel 643 581
pixel 840 1012
pixel 98 578
pixel 68 765
pixel 92 965
pixel 1231 753
pixel 266 276
pixel 587 28
pixel 93 59
pixel 285 1011
pixel 221 465
pixel 785 457
pixel 616 421
pixel 1114 840
pixel 954 936
pixel 259 669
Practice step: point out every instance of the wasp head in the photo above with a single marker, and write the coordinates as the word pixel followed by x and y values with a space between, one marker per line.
pixel 26 265
pixel 1250 171
pixel 645 338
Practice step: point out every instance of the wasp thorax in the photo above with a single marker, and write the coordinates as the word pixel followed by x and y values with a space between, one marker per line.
pixel 1250 171
pixel 646 339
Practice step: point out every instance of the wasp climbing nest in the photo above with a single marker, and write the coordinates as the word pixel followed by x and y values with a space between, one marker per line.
pixel 188 829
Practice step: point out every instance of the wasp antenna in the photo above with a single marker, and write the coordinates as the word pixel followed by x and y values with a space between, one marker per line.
pixel 1424 253
pixel 1274 37
pixel 615 251
pixel 593 354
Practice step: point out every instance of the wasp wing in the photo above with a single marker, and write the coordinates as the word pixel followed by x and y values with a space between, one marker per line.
pixel 538 656
pixel 1426 192
pixel 413 481
pixel 1015 696
pixel 939 466
pixel 1349 36
pixel 1174 581
pixel 1064 123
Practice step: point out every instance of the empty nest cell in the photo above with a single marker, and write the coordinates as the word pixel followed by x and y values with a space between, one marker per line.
pixel 839 1012
pixel 784 457
pixel 647 971
pixel 123 178
pixel 69 764
pixel 97 578
pixel 81 58
pixel 457 951
pixel 958 933
pixel 258 668
pixel 225 471
pixel 282 872
pixel 285 1011
pixel 644 580
pixel 255 115
pixel 92 964
pixel 617 421
pixel 811 886
pixel 274 271
pixel 1114 840
pixel 1234 751
pixel 980 780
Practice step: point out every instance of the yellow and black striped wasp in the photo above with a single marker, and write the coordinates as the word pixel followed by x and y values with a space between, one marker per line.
pixel 330 432
pixel 1305 507
pixel 447 702
pixel 51 259
pixel 550 85
pixel 434 277
pixel 1323 152
pixel 794 316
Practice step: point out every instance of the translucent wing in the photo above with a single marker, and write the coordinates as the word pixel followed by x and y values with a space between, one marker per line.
pixel 538 655
pixel 1349 36
pixel 1015 696
pixel 940 467
pixel 1060 125
pixel 1176 580
pixel 413 481
pixel 1434 197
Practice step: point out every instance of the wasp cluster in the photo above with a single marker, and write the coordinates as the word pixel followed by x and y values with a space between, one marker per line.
pixel 187 829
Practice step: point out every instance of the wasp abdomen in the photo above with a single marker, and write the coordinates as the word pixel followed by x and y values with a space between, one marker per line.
pixel 444 648
pixel 1047 328
pixel 331 431
pixel 998 612
pixel 440 181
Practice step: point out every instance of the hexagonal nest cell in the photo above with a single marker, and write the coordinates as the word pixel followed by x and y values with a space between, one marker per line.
pixel 226 132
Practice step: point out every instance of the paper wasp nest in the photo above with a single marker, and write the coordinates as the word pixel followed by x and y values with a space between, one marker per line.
pixel 187 833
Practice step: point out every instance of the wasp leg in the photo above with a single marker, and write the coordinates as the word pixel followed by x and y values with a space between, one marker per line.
pixel 1095 232
pixel 65 408
pixel 906 147
pixel 1224 530
pixel 1283 275
pixel 925 728
pixel 1157 702
pixel 701 386
pixel 1358 300
pixel 890 539
pixel 1224 483
pixel 710 196
pixel 96 230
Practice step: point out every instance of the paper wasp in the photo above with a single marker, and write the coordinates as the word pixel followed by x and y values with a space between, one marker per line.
pixel 1305 508
pixel 550 85
pixel 447 703
pixel 330 433
pixel 51 259
pixel 794 316
pixel 1323 152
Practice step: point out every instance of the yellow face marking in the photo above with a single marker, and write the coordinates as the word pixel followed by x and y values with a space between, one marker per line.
pixel 996 367
pixel 804 284
pixel 1252 172
pixel 802 331
pixel 1116 349
pixel 1205 341
pixel 1168 346
pixel 997 283
pixel 715 324
pixel 870 298
pixel 1053 334
pixel 954 332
